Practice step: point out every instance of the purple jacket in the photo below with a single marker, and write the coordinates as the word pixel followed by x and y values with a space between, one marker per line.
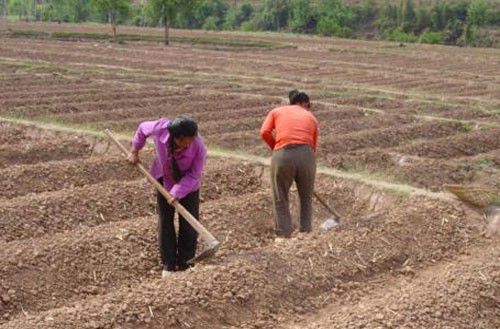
pixel 190 160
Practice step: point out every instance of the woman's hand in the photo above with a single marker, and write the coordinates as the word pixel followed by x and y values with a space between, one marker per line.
pixel 133 157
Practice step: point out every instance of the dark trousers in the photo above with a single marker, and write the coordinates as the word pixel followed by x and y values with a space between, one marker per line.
pixel 176 251
pixel 294 163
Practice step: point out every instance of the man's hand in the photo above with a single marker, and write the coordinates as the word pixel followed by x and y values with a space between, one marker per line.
pixel 133 157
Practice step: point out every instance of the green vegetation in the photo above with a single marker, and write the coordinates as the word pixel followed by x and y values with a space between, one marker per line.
pixel 114 10
pixel 452 22
pixel 165 11
pixel 208 41
pixel 466 127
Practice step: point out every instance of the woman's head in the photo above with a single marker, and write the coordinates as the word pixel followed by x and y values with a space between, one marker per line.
pixel 182 131
pixel 299 98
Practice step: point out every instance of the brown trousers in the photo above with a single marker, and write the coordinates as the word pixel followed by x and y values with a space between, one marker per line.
pixel 293 163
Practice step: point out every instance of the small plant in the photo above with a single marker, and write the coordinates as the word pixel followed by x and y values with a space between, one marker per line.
pixel 466 127
pixel 485 163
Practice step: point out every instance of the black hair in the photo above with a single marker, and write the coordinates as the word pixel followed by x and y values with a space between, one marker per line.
pixel 298 97
pixel 178 128
pixel 292 94
pixel 182 127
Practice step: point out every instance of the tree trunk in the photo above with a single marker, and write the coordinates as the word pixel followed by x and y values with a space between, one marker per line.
pixel 113 24
pixel 167 32
pixel 143 6
pixel 4 9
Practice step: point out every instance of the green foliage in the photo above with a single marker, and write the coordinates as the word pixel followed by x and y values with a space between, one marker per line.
pixel 431 37
pixel 211 23
pixel 399 35
pixel 408 16
pixel 28 34
pixel 494 17
pixel 336 18
pixel 210 15
pixel 302 16
pixel 423 20
pixel 454 22
pixel 368 11
pixel 469 34
pixel 477 13
pixel 466 127
pixel 271 15
pixel 158 10
pixel 388 18
pixel 21 8
pixel 115 11
pixel 237 15
pixel 4 8
pixel 167 12
pixel 74 11
pixel 453 32
pixel 171 12
pixel 249 26
pixel 438 16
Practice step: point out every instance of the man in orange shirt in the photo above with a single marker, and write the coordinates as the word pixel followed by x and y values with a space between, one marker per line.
pixel 292 133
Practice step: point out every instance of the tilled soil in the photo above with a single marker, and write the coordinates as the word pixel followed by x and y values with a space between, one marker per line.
pixel 267 283
pixel 45 150
pixel 78 245
pixel 102 270
pixel 388 137
pixel 460 293
pixel 116 253
pixel 90 205
pixel 469 144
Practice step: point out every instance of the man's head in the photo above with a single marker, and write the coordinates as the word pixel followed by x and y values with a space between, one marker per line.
pixel 299 98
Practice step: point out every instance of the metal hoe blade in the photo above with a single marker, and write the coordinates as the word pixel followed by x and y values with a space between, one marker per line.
pixel 330 223
pixel 205 254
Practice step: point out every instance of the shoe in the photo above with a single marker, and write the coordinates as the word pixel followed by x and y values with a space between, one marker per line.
pixel 166 272
pixel 280 240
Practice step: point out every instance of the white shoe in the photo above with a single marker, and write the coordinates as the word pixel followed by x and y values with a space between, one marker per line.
pixel 279 240
pixel 166 274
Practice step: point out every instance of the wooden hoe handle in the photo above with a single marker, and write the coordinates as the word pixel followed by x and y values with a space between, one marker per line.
pixel 209 239
pixel 323 202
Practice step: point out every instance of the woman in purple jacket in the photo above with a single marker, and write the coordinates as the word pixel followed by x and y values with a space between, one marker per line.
pixel 179 162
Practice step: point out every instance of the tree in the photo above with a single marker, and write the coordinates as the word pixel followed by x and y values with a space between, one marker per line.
pixel 167 10
pixel 335 19
pixel 210 14
pixel 238 14
pixel 21 8
pixel 408 16
pixel 368 10
pixel 302 16
pixel 387 18
pixel 272 15
pixel 113 10
pixel 423 20
pixel 438 16
pixel 3 8
pixel 477 13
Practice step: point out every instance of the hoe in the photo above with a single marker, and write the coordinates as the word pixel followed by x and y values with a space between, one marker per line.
pixel 212 244
pixel 331 222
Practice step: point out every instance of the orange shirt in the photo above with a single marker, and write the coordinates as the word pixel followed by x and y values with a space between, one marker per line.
pixel 291 124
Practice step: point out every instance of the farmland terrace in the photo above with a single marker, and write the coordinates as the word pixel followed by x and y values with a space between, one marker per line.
pixel 78 225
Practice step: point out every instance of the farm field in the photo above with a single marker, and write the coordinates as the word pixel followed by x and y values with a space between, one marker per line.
pixel 78 239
